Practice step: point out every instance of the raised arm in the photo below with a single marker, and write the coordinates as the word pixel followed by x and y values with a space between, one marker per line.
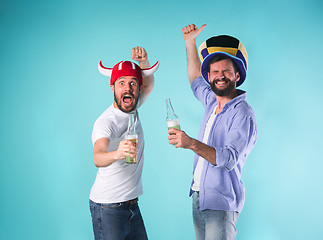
pixel 140 55
pixel 190 32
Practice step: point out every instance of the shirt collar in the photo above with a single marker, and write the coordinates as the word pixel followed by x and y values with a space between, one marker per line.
pixel 242 95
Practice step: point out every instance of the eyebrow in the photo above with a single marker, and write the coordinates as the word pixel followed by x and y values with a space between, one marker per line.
pixel 133 78
pixel 227 69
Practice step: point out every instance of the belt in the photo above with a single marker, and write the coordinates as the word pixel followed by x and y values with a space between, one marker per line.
pixel 132 201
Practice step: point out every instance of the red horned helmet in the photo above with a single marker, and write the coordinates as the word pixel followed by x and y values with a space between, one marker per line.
pixel 127 68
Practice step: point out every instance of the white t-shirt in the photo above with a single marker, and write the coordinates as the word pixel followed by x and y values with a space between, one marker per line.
pixel 119 181
pixel 200 162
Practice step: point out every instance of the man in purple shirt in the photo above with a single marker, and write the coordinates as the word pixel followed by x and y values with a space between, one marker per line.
pixel 227 135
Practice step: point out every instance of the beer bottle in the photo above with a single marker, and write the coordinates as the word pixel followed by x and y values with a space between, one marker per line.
pixel 171 118
pixel 132 136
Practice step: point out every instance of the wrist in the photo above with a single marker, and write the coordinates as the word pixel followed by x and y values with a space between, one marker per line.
pixel 144 63
pixel 192 144
pixel 190 42
pixel 116 156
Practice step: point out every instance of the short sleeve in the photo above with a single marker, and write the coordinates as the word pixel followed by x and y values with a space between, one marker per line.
pixel 102 128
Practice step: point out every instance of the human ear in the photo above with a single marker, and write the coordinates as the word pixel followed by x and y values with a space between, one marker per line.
pixel 237 76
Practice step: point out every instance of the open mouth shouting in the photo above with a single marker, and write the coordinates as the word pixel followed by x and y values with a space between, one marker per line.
pixel 126 102
pixel 126 93
pixel 128 99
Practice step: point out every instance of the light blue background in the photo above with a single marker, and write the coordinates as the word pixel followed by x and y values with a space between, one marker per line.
pixel 52 92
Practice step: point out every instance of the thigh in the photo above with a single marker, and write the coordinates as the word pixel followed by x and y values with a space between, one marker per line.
pixel 220 225
pixel 137 229
pixel 96 220
pixel 198 218
pixel 110 221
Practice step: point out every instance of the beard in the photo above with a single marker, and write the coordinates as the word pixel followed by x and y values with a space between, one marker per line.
pixel 119 102
pixel 223 92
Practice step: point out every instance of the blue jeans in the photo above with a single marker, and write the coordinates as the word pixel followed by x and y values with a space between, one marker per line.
pixel 213 224
pixel 117 221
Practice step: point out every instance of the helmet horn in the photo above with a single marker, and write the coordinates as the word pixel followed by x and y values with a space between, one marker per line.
pixel 105 71
pixel 149 71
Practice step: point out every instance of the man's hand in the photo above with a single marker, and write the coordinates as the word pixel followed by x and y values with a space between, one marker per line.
pixel 179 138
pixel 139 54
pixel 126 148
pixel 190 32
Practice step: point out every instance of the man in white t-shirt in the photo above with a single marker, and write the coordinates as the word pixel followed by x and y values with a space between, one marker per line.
pixel 114 194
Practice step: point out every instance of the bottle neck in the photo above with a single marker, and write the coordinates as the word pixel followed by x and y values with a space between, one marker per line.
pixel 170 111
pixel 131 125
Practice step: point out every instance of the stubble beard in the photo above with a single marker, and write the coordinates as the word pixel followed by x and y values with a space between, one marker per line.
pixel 118 101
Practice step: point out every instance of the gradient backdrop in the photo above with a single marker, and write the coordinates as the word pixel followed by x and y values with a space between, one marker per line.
pixel 52 92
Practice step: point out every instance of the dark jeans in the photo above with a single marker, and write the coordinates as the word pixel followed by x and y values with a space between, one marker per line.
pixel 117 221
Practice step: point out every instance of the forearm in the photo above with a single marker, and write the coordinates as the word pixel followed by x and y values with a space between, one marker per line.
pixel 147 82
pixel 181 140
pixel 203 150
pixel 144 64
pixel 193 61
pixel 104 159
